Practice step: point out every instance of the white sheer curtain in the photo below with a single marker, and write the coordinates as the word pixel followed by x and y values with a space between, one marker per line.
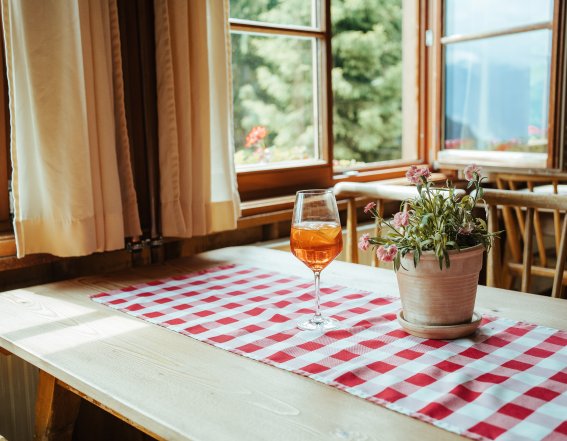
pixel 72 180
pixel 198 181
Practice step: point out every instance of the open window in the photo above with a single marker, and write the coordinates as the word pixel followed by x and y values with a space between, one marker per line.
pixel 324 90
pixel 499 82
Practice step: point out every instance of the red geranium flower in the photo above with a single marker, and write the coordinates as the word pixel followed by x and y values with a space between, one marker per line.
pixel 255 136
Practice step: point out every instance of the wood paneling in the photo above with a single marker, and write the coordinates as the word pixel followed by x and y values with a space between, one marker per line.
pixel 18 384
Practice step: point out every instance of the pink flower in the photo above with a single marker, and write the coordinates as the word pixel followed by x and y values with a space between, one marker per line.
pixel 387 254
pixel 369 207
pixel 416 174
pixel 466 229
pixel 401 219
pixel 364 242
pixel 470 171
pixel 255 136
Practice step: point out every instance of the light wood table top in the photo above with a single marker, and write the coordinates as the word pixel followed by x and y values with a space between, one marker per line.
pixel 181 389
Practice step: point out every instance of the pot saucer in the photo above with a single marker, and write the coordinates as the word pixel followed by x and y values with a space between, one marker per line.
pixel 440 332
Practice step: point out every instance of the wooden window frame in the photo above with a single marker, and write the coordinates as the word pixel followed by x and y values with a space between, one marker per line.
pixel 277 181
pixel 557 115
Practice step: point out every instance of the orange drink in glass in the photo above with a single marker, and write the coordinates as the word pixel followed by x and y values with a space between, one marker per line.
pixel 316 239
pixel 316 244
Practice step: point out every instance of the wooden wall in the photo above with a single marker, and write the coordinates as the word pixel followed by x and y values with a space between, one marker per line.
pixel 18 384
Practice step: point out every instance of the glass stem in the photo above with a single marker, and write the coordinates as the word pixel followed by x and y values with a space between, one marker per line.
pixel 317 316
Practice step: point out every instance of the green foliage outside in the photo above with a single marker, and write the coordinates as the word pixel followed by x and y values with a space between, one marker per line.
pixel 273 82
pixel 367 79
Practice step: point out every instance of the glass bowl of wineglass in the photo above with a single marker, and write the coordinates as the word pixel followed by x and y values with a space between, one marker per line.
pixel 316 239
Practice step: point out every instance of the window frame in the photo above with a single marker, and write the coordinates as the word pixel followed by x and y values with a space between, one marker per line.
pixel 556 161
pixel 262 183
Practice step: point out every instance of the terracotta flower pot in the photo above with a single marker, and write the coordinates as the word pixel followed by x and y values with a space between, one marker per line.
pixel 435 297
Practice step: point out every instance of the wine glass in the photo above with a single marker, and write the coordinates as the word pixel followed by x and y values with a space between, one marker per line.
pixel 316 239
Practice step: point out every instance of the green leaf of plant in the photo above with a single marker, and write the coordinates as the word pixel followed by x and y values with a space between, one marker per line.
pixel 425 219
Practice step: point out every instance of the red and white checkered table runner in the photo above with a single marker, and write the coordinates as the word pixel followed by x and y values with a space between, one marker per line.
pixel 507 382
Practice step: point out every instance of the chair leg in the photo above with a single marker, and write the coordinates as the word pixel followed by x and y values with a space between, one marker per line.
pixel 528 250
pixel 493 267
pixel 352 245
pixel 377 228
pixel 539 239
pixel 560 267
pixel 514 237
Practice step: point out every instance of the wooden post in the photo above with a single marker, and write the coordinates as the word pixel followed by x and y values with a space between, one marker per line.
pixel 377 228
pixel 352 245
pixel 528 249
pixel 493 261
pixel 561 256
pixel 56 410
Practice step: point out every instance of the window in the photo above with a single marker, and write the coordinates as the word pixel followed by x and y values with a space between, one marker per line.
pixel 499 69
pixel 374 77
pixel 276 79
pixel 322 87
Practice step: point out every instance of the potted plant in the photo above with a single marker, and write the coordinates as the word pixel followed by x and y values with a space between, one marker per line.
pixel 436 245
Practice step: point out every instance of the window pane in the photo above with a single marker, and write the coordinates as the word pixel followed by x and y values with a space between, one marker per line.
pixel 497 93
pixel 284 12
pixel 367 81
pixel 473 16
pixel 274 106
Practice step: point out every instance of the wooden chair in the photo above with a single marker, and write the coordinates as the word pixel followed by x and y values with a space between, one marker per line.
pixel 514 224
pixel 526 205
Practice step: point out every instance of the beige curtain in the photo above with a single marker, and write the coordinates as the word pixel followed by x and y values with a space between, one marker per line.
pixel 198 181
pixel 72 180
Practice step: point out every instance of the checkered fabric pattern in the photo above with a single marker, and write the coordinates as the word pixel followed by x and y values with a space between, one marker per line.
pixel 507 382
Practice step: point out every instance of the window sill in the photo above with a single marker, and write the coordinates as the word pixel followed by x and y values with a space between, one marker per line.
pixel 503 160
pixel 255 213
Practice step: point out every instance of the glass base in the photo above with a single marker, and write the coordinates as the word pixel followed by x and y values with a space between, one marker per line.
pixel 319 323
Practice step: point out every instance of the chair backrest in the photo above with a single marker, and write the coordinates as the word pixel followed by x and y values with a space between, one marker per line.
pixel 514 217
pixel 527 206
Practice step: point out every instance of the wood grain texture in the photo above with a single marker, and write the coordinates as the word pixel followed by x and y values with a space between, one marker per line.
pixel 56 410
pixel 528 247
pixel 18 389
pixel 114 424
pixel 561 256
pixel 351 248
pixel 493 260
pixel 182 389
pixel 530 203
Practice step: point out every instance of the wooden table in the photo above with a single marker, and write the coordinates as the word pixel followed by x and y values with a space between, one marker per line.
pixel 177 388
